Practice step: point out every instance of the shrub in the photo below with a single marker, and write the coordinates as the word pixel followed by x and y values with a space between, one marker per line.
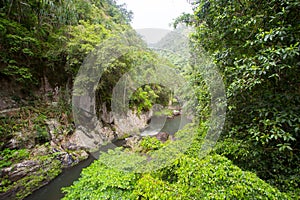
pixel 150 143
pixel 12 156
pixel 214 177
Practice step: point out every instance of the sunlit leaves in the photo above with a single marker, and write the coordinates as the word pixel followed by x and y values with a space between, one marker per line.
pixel 214 177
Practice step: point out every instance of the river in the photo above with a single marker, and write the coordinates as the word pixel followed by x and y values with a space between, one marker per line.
pixel 52 191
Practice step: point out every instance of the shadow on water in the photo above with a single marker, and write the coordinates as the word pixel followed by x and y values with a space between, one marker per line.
pixel 52 191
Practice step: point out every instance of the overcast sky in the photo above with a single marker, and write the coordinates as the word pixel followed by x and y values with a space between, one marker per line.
pixel 155 13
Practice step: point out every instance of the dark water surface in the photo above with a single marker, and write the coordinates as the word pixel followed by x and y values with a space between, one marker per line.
pixel 52 191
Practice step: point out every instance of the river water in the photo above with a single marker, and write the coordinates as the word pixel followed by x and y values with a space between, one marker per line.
pixel 52 191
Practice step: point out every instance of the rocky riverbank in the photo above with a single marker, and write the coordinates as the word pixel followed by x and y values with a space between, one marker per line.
pixel 39 143
pixel 27 164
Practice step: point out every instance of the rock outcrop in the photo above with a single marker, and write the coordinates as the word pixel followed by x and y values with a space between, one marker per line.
pixel 162 136
pixel 64 148
pixel 27 176
pixel 132 123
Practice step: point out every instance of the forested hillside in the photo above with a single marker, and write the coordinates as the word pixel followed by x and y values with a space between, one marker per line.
pixel 43 43
pixel 254 45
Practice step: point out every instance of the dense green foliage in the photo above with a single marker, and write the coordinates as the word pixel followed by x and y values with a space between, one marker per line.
pixel 47 41
pixel 12 156
pixel 256 46
pixel 188 177
pixel 42 45
pixel 148 95
pixel 144 97
pixel 150 143
pixel 257 49
pixel 42 38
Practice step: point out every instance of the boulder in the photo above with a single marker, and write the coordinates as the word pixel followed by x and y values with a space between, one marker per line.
pixel 70 146
pixel 132 122
pixel 67 160
pixel 162 136
pixel 86 139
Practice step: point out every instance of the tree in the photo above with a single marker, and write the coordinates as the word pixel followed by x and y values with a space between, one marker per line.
pixel 256 45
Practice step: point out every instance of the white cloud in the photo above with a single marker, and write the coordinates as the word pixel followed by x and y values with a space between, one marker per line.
pixel 155 13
